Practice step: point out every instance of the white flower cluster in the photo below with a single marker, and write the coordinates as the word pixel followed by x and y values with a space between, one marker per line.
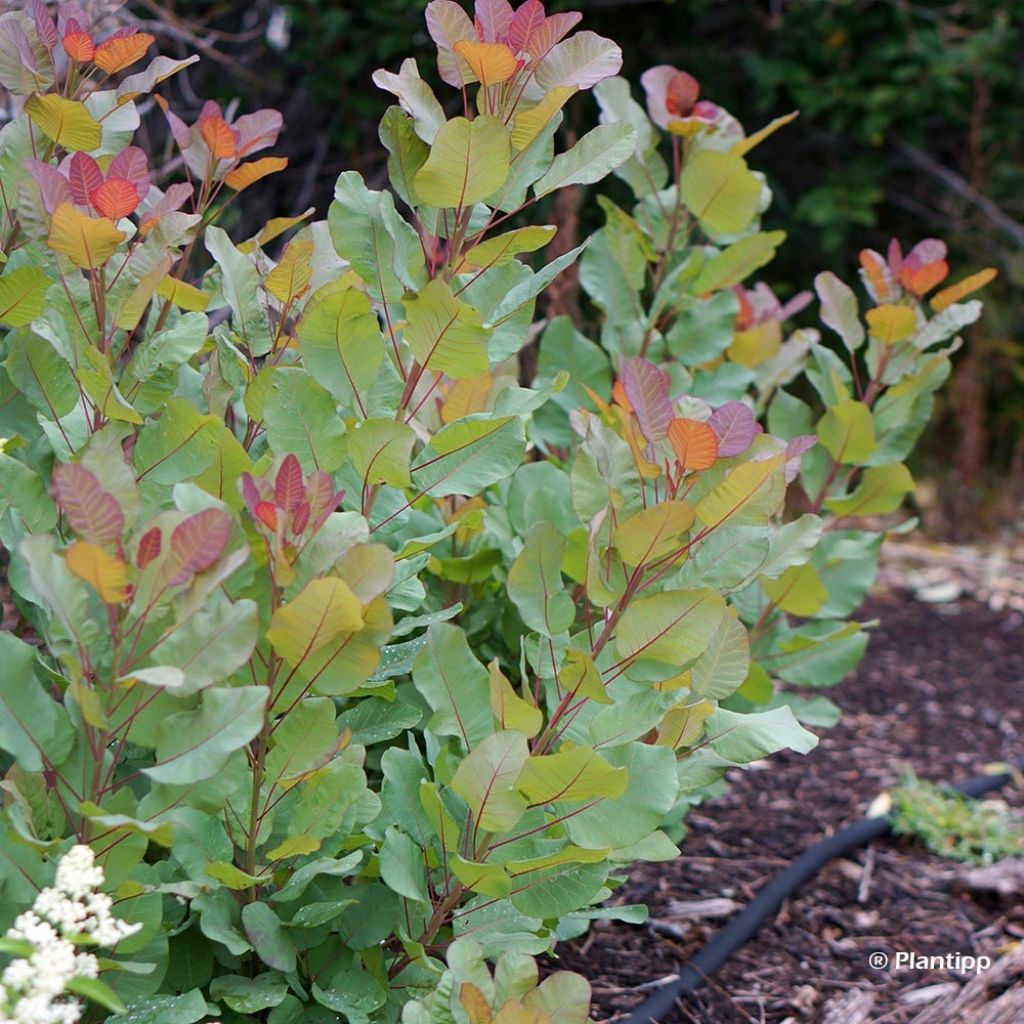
pixel 33 989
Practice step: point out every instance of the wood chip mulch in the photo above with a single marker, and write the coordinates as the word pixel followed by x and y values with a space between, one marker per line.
pixel 941 691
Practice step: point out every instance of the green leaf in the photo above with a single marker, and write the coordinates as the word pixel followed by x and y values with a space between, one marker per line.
pixel 528 289
pixel 469 455
pixel 839 309
pixel 380 451
pixel 240 286
pixel 791 544
pixel 325 608
pixel 234 878
pixel 454 684
pixel 264 930
pixel 724 664
pixel 21 295
pixel 486 780
pixel 403 866
pixel 356 994
pixel 211 645
pixel 847 431
pixel 444 333
pixel 96 991
pixel 653 532
pixel 672 627
pixel 416 97
pixel 194 745
pixel 468 161
pixel 248 995
pixel 595 156
pixel 535 582
pixel 26 493
pixel 302 741
pixel 341 341
pixel 748 737
pixel 179 445
pixel 720 191
pixel 41 374
pixel 563 996
pixel 382 248
pixel 571 775
pixel 302 418
pixel 880 491
pixel 485 879
pixel 32 726
pixel 184 1009
pixel 738 262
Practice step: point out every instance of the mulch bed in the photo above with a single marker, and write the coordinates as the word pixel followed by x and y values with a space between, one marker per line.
pixel 941 690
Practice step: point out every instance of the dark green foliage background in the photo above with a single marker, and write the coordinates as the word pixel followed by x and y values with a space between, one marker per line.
pixel 910 126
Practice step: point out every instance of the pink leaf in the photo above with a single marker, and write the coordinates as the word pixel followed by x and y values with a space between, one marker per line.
pixel 181 132
pixel 322 497
pixel 289 485
pixel 92 512
pixel 250 493
pixel 795 450
pixel 257 130
pixel 647 390
pixel 553 31
pixel 150 544
pixel 197 543
pixel 68 13
pixel 735 428
pixel 655 83
pixel 53 186
pixel 493 18
pixel 172 200
pixel 895 255
pixel 45 27
pixel 85 177
pixel 448 24
pixel 525 22
pixel 132 165
pixel 301 518
pixel 931 250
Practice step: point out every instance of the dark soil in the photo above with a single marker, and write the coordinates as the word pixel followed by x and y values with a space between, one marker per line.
pixel 941 690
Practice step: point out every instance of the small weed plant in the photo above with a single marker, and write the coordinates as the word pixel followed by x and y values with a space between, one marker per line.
pixel 363 668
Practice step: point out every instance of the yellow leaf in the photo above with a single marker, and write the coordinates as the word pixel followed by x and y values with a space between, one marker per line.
pixel 466 397
pixel 294 847
pixel 324 609
pixel 756 345
pixel 960 290
pixel 291 277
pixel 508 708
pixel 891 323
pixel 492 63
pixel 500 250
pixel 798 590
pixel 247 174
pixel 87 241
pixel 130 311
pixel 528 124
pixel 744 146
pixel 106 574
pixel 183 295
pixel 274 228
pixel 67 122
pixel 474 1002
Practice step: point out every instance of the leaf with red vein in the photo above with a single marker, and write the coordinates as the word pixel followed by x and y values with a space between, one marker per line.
pixel 528 18
pixel 289 485
pixel 695 443
pixel 92 512
pixel 735 428
pixel 85 177
pixel 150 545
pixel 115 198
pixel 301 518
pixel 46 28
pixel 321 497
pixel 266 513
pixel 197 543
pixel 646 388
pixel 78 44
pixel 132 165
pixel 250 493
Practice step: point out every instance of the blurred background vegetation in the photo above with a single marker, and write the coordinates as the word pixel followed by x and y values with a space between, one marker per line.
pixel 910 126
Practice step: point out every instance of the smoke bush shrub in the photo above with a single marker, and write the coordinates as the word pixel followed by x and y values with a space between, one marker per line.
pixel 358 665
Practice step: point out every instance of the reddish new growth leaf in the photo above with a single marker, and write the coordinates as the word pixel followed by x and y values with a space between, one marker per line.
pixel 197 543
pixel 735 427
pixel 266 513
pixel 132 165
pixel 46 27
pixel 84 177
pixel 289 485
pixel 150 545
pixel 681 94
pixel 646 387
pixel 694 443
pixel 115 198
pixel 77 43
pixel 91 511
pixel 301 518
pixel 924 267
pixel 322 497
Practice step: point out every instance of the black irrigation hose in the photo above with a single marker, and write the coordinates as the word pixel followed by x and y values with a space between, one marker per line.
pixel 745 925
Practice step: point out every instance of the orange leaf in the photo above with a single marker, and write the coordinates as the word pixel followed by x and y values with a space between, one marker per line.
pixel 619 396
pixel 960 290
pixel 115 198
pixel 106 574
pixel 218 136
pixel 266 513
pixel 492 63
pixel 475 1003
pixel 921 280
pixel 245 175
pixel 122 51
pixel 78 45
pixel 877 272
pixel 695 443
